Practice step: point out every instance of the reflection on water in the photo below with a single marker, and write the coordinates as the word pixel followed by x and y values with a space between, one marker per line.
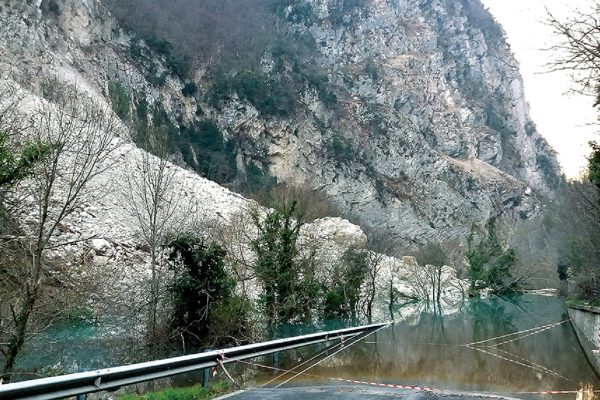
pixel 425 349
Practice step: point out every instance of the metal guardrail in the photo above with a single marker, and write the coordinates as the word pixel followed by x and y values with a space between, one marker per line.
pixel 113 378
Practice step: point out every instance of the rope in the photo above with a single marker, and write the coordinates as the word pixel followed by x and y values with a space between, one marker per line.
pixel 545 369
pixel 220 361
pixel 409 387
pixel 422 344
pixel 531 334
pixel 329 356
pixel 387 385
pixel 341 343
pixel 539 328
pixel 537 367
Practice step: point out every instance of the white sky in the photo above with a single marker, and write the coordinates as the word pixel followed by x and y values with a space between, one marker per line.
pixel 566 120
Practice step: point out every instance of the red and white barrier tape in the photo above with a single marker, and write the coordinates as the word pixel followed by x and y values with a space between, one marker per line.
pixel 530 332
pixel 353 341
pixel 395 386
pixel 405 387
pixel 536 331
pixel 327 350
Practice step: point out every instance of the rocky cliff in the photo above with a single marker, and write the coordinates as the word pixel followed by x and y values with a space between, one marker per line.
pixel 409 115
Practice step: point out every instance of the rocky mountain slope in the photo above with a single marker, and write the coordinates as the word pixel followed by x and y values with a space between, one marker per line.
pixel 410 117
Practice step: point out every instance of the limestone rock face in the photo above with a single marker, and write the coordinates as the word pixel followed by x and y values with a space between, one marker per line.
pixel 430 132
pixel 434 126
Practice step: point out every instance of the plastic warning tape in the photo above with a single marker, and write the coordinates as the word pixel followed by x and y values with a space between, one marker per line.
pixel 406 387
pixel 387 385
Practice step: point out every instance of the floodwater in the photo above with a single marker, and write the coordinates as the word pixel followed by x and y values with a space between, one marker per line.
pixel 427 349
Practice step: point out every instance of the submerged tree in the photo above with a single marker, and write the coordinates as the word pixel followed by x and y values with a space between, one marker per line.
pixel 342 298
pixel 432 258
pixel 490 264
pixel 206 311
pixel 283 278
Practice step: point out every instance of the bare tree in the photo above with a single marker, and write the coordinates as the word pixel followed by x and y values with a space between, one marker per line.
pixel 152 201
pixel 374 262
pixel 578 50
pixel 433 257
pixel 81 137
pixel 235 236
pixel 416 278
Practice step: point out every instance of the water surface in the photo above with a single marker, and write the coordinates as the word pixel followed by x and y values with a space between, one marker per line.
pixel 426 348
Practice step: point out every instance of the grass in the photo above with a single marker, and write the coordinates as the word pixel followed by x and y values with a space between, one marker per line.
pixel 182 393
pixel 579 302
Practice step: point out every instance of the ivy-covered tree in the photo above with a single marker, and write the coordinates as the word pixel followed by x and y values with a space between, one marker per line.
pixel 490 264
pixel 200 289
pixel 342 298
pixel 277 266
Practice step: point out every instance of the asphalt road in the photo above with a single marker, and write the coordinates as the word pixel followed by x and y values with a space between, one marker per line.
pixel 350 393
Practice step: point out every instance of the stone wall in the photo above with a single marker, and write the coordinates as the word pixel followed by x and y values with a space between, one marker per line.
pixel 586 321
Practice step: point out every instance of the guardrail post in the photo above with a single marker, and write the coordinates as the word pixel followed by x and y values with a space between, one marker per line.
pixel 69 386
pixel 275 362
pixel 205 377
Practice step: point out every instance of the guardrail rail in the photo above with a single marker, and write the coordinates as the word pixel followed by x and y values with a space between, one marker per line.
pixel 114 378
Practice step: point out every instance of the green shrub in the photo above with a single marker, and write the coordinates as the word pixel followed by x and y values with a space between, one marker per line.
pixel 342 297
pixel 372 70
pixel 257 180
pixel 16 165
pixel 136 50
pixel 295 53
pixel 340 11
pixel 286 281
pixel 180 65
pixel 210 136
pixel 190 89
pixel 594 165
pixel 269 96
pixel 204 149
pixel 159 45
pixel 141 112
pixel 490 265
pixel 230 318
pixel 119 99
pixel 341 148
pixel 53 7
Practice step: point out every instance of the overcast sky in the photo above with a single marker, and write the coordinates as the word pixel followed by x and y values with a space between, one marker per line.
pixel 566 120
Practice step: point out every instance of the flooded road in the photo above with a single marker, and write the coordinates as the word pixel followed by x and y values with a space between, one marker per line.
pixel 425 348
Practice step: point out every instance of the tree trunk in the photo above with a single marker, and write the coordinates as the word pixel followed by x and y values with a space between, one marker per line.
pixel 392 299
pixel 17 339
pixel 154 296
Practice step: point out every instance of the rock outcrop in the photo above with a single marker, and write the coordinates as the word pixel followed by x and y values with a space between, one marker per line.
pixel 429 131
